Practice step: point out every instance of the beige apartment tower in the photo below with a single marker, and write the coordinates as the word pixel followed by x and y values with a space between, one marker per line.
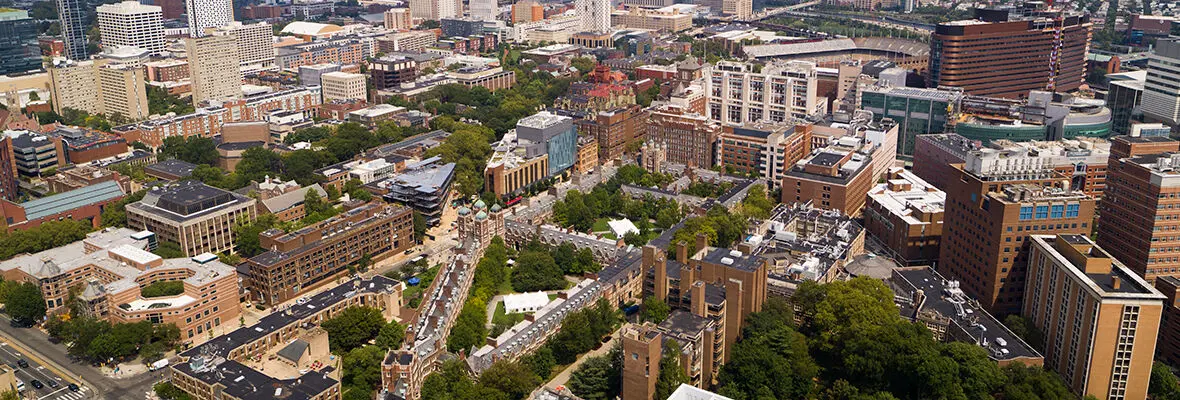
pixel 99 87
pixel 213 66
pixel 1099 318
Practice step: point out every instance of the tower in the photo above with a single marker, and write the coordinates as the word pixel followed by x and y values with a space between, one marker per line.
pixel 206 14
pixel 595 15
pixel 72 16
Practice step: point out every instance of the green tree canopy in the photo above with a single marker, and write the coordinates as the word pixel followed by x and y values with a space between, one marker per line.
pixel 352 327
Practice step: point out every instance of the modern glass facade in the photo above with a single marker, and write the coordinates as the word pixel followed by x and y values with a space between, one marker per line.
pixel 18 42
pixel 563 150
pixel 986 133
pixel 917 112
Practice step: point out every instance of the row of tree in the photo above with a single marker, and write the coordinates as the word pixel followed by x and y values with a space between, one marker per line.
pixel 99 340
pixel 362 337
pixel 491 276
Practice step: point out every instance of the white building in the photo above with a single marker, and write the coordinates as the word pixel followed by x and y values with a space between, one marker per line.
pixel 1161 94
pixel 398 19
pixel 343 86
pixel 204 14
pixel 595 15
pixel 131 24
pixel 213 67
pixel 483 10
pixel 781 91
pixel 436 9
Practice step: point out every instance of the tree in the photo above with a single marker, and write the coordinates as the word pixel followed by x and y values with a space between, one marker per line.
pixel 598 378
pixel 391 335
pixel 193 149
pixel 671 373
pixel 115 215
pixel 583 64
pixel 352 328
pixel 420 226
pixel 246 233
pixel 655 309
pixel 25 303
pixel 1025 329
pixel 511 378
pixel 314 204
pixel 362 368
pixel 541 362
pixel 46 236
pixel 257 163
pixel 168 249
pixel 1163 384
pixel 166 391
pixel 536 270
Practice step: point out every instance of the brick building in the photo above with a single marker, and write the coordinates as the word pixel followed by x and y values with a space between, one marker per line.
pixel 905 213
pixel 690 138
pixel 614 129
pixel 1139 218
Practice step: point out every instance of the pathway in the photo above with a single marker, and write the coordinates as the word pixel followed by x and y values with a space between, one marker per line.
pixel 562 378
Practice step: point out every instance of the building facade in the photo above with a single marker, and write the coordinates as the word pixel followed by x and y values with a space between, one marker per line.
pixel 1099 319
pixel 1161 91
pixel 205 14
pixel 905 213
pixel 199 218
pixel 763 150
pixel 614 129
pixel 780 92
pixel 688 138
pixel 213 66
pixel 344 86
pixel 1138 215
pixel 130 23
pixel 72 15
pixel 19 51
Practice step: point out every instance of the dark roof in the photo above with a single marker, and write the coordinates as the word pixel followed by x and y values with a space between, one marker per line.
pixel 172 167
pixel 185 200
pixel 294 351
pixel 742 262
pixel 240 145
pixel 826 159
pixel 684 324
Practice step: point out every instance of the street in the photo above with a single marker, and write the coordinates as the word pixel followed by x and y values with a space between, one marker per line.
pixel 50 361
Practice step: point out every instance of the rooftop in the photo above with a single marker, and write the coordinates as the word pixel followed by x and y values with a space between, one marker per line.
pixel 186 200
pixel 172 167
pixel 905 193
pixel 72 199
pixel 1095 268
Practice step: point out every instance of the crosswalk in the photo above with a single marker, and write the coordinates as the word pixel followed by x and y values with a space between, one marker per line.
pixel 66 394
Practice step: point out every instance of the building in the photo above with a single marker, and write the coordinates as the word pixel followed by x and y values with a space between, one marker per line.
pixel 542 146
pixel 344 86
pixel 197 217
pixel 1137 213
pixel 432 10
pixel 100 87
pixel 1099 319
pixel 1123 98
pixel 33 152
pixel 1082 160
pixel 1027 50
pixel 84 204
pixel 698 340
pixel 205 14
pixel 214 66
pixel 108 270
pixel 283 199
pixel 614 129
pixel 737 93
pixel 488 77
pixel 917 111
pixel 905 214
pixel 224 365
pixel 994 204
pixel 834 178
pixel 689 138
pixel 423 186
pixel 398 19
pixel 659 20
pixel 309 75
pixel 483 10
pixel 391 72
pixel 84 145
pixel 1043 116
pixel 1161 98
pixel 411 41
pixel 130 23
pixel 587 159
pixel 763 150
pixel 167 70
pixel 19 51
pixel 72 15
pixel 170 170
pixel 9 185
pixel 319 253
pixel 594 15
pixel 255 43
pixel 81 176
pixel 527 11
pixel 347 51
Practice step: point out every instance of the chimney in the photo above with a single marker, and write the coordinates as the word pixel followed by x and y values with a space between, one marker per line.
pixel 1115 282
pixel 702 241
pixel 682 252
pixel 699 308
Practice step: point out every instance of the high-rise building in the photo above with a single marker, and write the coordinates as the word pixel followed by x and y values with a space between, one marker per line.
pixel 19 51
pixel 905 214
pixel 72 18
pixel 434 10
pixel 780 92
pixel 1123 98
pixel 1006 52
pixel 742 9
pixel 256 49
pixel 614 129
pixel 1138 217
pixel 993 204
pixel 214 67
pixel 99 87
pixel 172 9
pixel 483 10
pixel 689 138
pixel 1161 94
pixel 9 185
pixel 527 11
pixel 594 15
pixel 130 23
pixel 764 150
pixel 204 14
pixel 1099 319
pixel 398 19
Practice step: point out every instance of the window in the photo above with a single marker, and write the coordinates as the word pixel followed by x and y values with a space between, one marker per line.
pixel 1042 212
pixel 1056 211
pixel 1026 213
pixel 1071 210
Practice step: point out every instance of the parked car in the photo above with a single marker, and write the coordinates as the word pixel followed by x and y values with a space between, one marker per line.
pixel 73 387
pixel 37 384
pixel 22 363
pixel 52 383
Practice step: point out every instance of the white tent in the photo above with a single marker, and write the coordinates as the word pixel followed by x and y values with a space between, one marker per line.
pixel 525 302
pixel 622 226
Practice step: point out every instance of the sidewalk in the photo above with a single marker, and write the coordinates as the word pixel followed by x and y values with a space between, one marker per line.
pixel 562 378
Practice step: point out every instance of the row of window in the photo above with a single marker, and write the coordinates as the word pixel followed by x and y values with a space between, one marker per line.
pixel 1054 211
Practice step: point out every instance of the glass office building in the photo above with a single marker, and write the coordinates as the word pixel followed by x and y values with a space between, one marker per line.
pixel 18 42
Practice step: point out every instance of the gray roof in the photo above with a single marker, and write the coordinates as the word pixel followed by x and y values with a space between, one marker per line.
pixel 73 199
pixel 294 351
pixel 172 167
pixel 292 198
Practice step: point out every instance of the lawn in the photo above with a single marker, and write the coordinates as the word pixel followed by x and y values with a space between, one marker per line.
pixel 600 225
pixel 501 320
pixel 413 294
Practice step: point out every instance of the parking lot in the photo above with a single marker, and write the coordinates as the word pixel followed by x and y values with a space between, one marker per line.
pixel 10 355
